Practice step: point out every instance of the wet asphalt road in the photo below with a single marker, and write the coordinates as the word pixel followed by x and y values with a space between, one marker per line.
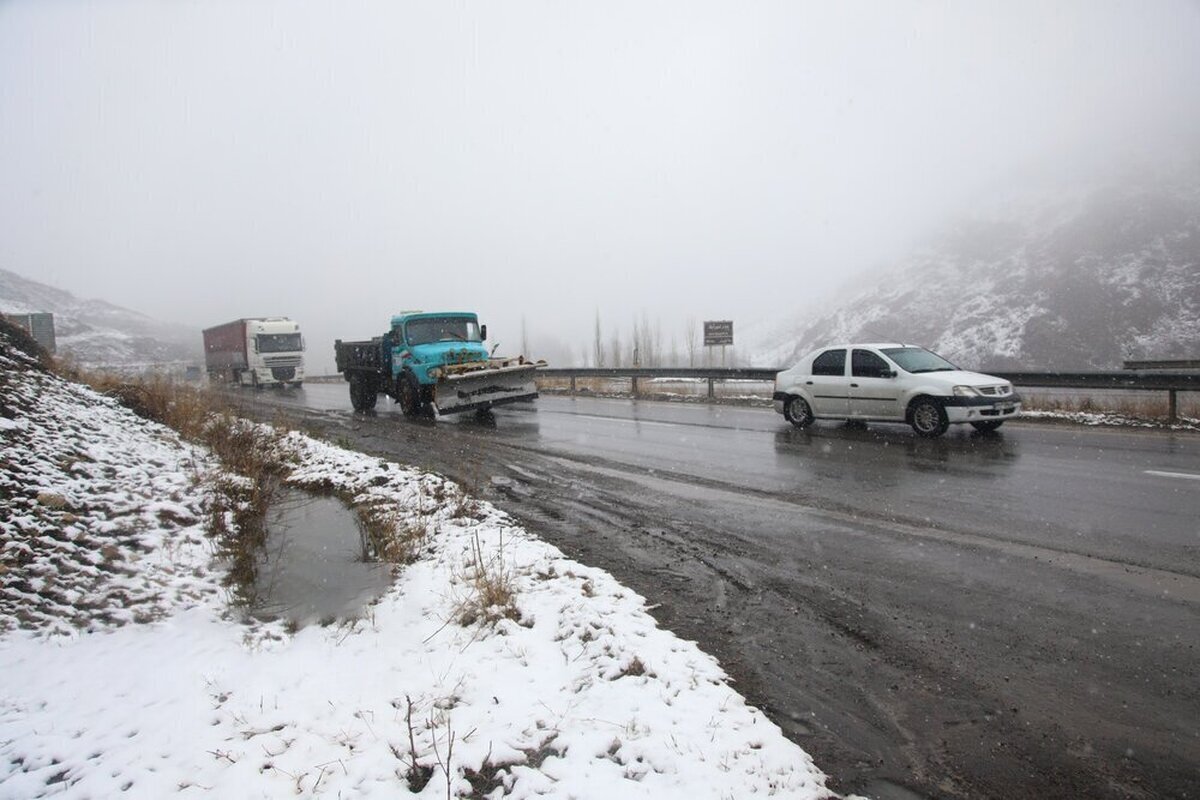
pixel 1006 615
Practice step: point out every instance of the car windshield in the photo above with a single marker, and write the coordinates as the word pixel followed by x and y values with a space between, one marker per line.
pixel 918 359
pixel 443 329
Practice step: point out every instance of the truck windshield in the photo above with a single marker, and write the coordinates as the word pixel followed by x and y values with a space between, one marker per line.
pixel 917 359
pixel 278 342
pixel 443 329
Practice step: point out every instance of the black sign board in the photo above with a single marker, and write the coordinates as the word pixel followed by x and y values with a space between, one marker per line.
pixel 719 332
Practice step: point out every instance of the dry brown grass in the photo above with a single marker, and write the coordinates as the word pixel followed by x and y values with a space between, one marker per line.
pixel 492 592
pixel 182 406
pixel 392 537
pixel 1150 406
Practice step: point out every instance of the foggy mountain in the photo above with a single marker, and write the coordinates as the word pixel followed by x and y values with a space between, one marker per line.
pixel 1075 280
pixel 96 333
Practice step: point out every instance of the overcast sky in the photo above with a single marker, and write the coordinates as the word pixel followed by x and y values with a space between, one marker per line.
pixel 340 161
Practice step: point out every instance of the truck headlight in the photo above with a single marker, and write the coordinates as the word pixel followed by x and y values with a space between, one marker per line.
pixel 965 391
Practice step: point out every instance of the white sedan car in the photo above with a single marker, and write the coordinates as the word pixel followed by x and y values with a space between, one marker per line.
pixel 892 383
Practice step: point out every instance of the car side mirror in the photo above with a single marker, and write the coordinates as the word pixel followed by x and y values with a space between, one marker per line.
pixel 887 373
pixel 483 333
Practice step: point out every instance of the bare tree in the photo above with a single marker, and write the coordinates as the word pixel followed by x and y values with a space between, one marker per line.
pixel 647 338
pixel 598 344
pixel 524 338
pixel 690 340
pixel 636 356
pixel 615 348
pixel 656 342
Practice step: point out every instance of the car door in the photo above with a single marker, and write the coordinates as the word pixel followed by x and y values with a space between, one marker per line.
pixel 829 384
pixel 873 388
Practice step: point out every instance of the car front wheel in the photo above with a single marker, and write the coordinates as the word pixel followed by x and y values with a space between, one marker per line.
pixel 928 418
pixel 797 412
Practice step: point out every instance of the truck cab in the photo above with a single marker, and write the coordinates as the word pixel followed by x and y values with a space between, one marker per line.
pixel 275 352
pixel 433 361
pixel 425 344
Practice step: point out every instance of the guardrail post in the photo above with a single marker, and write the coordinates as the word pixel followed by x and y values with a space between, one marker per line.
pixel 633 389
pixel 711 392
pixel 1172 406
pixel 572 384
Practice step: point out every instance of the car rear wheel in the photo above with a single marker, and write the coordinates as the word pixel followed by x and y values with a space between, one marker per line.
pixel 797 412
pixel 988 425
pixel 928 418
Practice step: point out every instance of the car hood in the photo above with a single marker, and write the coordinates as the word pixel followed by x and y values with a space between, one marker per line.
pixel 959 377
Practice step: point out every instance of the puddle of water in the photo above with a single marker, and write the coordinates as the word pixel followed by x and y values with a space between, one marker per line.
pixel 313 568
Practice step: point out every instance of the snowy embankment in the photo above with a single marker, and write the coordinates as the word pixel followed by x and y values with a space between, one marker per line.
pixel 1109 419
pixel 126 670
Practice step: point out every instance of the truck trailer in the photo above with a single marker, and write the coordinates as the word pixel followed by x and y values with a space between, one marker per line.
pixel 255 351
pixel 433 362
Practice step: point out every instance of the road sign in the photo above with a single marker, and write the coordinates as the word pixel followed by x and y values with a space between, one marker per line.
pixel 719 332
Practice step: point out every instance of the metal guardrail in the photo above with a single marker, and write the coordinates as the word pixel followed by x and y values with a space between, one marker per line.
pixel 1177 365
pixel 1130 380
pixel 712 373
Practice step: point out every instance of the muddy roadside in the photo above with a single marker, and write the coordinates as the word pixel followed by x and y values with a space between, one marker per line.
pixel 876 686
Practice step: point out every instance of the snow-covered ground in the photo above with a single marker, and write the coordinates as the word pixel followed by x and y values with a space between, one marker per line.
pixel 126 670
pixel 1096 418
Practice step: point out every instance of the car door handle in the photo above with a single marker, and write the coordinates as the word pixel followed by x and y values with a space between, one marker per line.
pixel 854 386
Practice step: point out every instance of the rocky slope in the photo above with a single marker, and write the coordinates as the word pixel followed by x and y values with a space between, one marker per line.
pixel 1080 281
pixel 96 333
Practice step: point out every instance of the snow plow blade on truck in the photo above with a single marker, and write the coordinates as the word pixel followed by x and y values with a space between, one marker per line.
pixel 434 362
pixel 476 387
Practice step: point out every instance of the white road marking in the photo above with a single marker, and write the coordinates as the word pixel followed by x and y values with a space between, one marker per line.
pixel 633 421
pixel 1185 475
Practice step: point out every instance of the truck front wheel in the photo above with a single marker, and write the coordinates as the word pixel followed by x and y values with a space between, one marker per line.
pixel 410 395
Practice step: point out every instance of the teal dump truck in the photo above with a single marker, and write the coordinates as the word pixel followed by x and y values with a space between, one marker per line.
pixel 433 361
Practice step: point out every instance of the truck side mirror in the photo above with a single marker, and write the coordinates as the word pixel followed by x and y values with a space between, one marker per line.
pixel 483 333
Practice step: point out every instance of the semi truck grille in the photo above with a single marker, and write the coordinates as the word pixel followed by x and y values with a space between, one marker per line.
pixel 282 361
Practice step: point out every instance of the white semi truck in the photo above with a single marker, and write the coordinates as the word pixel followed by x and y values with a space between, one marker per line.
pixel 255 351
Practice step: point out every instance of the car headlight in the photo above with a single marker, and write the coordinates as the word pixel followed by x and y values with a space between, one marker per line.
pixel 965 391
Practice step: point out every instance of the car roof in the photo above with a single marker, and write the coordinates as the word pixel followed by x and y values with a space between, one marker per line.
pixel 876 345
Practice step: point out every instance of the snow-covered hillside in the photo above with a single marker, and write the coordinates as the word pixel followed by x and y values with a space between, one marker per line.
pixel 1080 281
pixel 96 333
